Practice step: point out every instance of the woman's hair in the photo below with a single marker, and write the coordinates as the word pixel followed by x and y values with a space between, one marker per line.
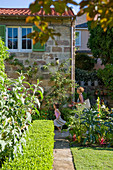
pixel 57 105
pixel 81 89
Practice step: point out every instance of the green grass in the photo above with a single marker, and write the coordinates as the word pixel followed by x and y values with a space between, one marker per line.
pixel 38 151
pixel 88 158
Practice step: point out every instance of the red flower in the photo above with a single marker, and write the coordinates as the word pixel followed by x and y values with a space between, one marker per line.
pixel 45 113
pixel 102 141
pixel 74 137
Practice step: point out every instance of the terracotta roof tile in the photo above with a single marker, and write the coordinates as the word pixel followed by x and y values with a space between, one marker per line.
pixel 27 12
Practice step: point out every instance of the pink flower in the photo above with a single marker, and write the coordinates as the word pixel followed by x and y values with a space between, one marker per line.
pixel 70 105
pixel 102 141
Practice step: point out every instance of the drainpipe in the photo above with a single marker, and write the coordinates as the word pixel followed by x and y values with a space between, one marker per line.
pixel 72 57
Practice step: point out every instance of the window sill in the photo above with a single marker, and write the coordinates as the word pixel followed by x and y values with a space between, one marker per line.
pixel 20 51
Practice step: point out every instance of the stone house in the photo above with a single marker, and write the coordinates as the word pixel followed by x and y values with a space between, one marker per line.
pixel 14 30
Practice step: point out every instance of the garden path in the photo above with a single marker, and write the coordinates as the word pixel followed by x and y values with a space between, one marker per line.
pixel 62 153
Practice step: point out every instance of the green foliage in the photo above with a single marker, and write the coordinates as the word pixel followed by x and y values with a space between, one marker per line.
pixel 84 62
pixel 3 55
pixel 83 75
pixel 47 114
pixel 60 90
pixel 102 12
pixel 38 152
pixel 18 100
pixel 92 126
pixel 41 22
pixel 30 72
pixel 106 75
pixel 100 43
pixel 66 113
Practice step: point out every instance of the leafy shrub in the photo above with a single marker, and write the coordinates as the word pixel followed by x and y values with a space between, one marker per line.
pixel 47 114
pixel 3 54
pixel 84 62
pixel 66 113
pixel 92 126
pixel 83 75
pixel 38 152
pixel 17 102
pixel 106 75
pixel 16 107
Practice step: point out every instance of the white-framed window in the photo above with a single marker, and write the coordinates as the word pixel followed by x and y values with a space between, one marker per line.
pixel 77 38
pixel 16 39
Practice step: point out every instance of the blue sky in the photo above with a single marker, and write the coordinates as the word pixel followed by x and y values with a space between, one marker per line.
pixel 21 4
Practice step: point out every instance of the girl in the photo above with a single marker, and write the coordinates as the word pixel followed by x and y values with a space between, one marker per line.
pixel 58 122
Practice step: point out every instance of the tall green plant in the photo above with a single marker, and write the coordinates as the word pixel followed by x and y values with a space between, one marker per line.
pixel 76 127
pixel 18 100
pixel 3 55
pixel 60 90
pixel 106 75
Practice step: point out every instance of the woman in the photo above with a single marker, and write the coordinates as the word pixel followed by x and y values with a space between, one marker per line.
pixel 80 90
pixel 80 102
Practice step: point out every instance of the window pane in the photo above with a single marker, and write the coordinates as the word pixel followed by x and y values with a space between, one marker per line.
pixel 15 44
pixel 28 44
pixel 23 43
pixel 77 41
pixel 28 30
pixel 10 43
pixel 23 32
pixel 77 38
pixel 15 33
pixel 9 32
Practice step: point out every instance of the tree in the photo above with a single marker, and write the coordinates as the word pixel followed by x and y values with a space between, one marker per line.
pixel 44 6
pixel 98 11
pixel 101 43
pixel 83 61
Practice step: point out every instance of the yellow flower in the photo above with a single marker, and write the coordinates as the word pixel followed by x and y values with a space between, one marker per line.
pixel 79 139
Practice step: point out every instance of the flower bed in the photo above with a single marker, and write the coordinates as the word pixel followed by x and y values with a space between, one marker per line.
pixel 38 152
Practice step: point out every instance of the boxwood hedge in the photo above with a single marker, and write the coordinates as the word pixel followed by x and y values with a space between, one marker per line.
pixel 38 152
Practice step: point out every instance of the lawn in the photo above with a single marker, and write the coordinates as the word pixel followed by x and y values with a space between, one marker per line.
pixel 88 158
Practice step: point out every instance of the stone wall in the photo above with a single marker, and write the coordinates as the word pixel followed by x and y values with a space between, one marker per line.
pixel 61 51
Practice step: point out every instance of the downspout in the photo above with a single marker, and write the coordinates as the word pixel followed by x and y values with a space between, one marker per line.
pixel 72 58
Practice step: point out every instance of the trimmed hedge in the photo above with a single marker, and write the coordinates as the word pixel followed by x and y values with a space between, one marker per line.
pixel 38 152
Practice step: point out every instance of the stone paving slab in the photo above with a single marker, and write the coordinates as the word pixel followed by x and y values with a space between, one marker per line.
pixel 62 153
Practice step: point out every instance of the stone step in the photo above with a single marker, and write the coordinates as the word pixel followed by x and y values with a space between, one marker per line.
pixel 62 134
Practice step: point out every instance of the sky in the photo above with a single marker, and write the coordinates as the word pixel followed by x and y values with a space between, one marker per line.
pixel 22 4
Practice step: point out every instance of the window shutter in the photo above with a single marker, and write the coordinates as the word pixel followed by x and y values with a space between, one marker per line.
pixel 37 46
pixel 2 32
